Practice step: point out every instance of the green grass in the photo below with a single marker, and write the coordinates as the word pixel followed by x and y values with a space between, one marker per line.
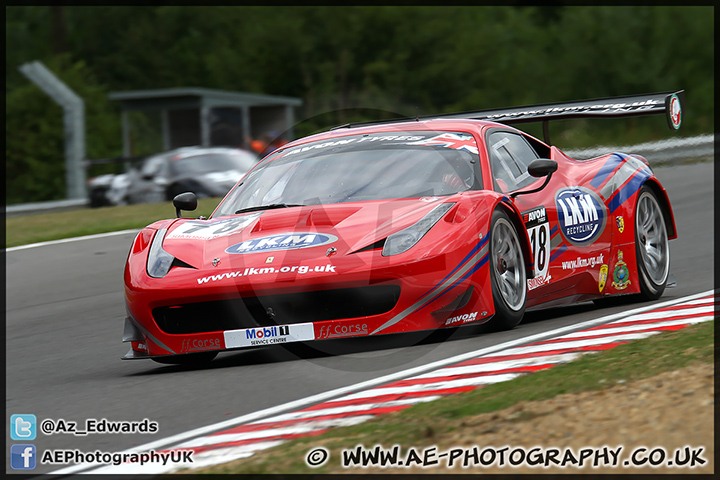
pixel 418 425
pixel 75 223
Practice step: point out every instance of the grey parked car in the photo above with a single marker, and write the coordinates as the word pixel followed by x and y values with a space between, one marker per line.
pixel 207 172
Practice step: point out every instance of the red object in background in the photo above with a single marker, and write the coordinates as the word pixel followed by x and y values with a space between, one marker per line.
pixel 258 146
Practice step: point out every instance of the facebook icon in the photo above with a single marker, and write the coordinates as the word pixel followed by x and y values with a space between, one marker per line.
pixel 22 457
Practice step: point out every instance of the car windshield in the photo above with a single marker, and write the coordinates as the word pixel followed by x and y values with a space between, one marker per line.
pixel 200 164
pixel 354 168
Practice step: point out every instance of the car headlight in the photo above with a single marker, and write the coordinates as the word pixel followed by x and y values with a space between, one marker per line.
pixel 404 240
pixel 159 261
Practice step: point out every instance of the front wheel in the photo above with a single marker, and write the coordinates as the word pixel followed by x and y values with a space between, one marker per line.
pixel 651 245
pixel 507 273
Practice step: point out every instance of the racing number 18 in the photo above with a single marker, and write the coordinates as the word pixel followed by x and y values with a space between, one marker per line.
pixel 540 244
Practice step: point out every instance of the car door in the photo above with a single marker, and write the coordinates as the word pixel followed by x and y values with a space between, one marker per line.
pixel 510 154
pixel 565 222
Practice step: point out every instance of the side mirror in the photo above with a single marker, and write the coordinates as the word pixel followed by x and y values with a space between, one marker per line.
pixel 185 201
pixel 542 167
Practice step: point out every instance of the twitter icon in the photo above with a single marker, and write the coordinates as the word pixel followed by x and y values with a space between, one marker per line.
pixel 23 426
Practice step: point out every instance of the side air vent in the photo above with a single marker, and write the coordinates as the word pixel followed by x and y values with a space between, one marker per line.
pixel 375 246
pixel 179 263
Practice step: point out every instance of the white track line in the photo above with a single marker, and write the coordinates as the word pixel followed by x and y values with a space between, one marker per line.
pixel 321 397
pixel 501 365
pixel 274 432
pixel 309 414
pixel 429 387
pixel 635 328
pixel 547 347
pixel 668 314
pixel 73 239
pixel 702 301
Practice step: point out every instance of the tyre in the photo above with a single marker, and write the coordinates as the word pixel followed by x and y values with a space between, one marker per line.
pixel 98 198
pixel 187 359
pixel 507 273
pixel 651 246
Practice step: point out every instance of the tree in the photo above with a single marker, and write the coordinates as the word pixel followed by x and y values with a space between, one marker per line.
pixel 353 64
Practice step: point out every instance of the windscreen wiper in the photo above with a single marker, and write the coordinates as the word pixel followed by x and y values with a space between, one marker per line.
pixel 268 207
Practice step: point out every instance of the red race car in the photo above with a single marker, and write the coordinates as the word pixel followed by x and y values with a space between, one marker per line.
pixel 400 226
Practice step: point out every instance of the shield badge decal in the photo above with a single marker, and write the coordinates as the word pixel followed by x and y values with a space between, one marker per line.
pixel 620 224
pixel 602 278
pixel 621 274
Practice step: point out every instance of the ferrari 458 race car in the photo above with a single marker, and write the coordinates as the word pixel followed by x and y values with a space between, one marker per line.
pixel 399 226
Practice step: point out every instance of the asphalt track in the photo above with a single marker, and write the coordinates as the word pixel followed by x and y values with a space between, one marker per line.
pixel 65 316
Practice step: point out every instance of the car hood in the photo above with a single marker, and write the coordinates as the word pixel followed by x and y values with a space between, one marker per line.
pixel 298 233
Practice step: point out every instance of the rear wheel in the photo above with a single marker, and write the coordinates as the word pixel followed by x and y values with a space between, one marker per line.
pixel 651 245
pixel 507 273
pixel 98 198
pixel 187 359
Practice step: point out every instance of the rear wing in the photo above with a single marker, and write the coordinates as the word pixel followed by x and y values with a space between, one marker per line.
pixel 668 103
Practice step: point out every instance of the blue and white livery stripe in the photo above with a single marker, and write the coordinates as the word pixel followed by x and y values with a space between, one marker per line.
pixel 450 282
pixel 462 262
pixel 627 191
pixel 610 165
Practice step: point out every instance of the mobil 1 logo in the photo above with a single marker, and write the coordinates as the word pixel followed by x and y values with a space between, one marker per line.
pixel 538 228
pixel 582 215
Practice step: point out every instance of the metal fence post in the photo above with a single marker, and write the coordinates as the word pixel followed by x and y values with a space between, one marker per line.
pixel 73 120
